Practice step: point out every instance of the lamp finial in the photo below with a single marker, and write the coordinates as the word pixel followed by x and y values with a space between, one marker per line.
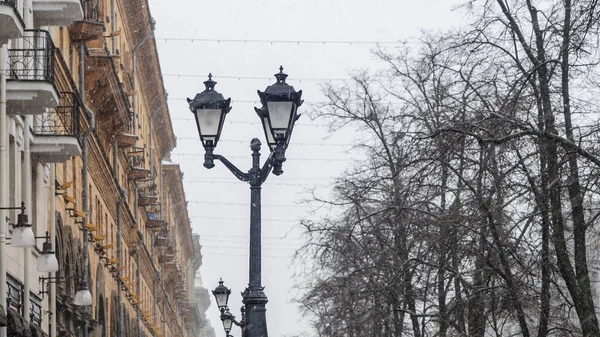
pixel 281 76
pixel 210 84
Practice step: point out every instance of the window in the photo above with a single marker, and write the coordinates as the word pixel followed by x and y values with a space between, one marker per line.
pixel 14 293
pixel 35 310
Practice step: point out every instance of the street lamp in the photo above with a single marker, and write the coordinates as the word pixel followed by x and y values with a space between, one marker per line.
pixel 278 115
pixel 47 262
pixel 83 297
pixel 279 110
pixel 22 235
pixel 221 294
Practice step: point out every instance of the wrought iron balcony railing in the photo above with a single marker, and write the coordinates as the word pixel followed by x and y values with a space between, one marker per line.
pixel 147 192
pixel 137 162
pixel 12 3
pixel 65 119
pixel 33 62
pixel 137 158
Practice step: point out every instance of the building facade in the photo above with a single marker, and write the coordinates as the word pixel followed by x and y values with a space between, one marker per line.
pixel 85 134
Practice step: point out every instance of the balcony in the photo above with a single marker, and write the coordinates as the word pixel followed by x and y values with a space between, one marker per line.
pixel 57 12
pixel 154 217
pixel 30 76
pixel 137 163
pixel 57 134
pixel 90 27
pixel 162 240
pixel 147 193
pixel 126 140
pixel 102 80
pixel 11 22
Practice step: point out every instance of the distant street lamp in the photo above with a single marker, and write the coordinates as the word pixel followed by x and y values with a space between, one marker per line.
pixel 83 297
pixel 278 115
pixel 47 262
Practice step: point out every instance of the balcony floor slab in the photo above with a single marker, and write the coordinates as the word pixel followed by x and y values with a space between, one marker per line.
pixel 57 12
pixel 11 25
pixel 55 149
pixel 30 97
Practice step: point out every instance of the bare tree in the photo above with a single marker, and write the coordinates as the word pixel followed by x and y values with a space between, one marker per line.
pixel 471 215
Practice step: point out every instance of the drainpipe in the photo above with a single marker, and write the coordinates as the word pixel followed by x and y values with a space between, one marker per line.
pixel 120 325
pixel 120 202
pixel 3 179
pixel 113 24
pixel 164 319
pixel 139 281
pixel 116 163
pixel 53 312
pixel 27 177
pixel 151 128
pixel 134 71
pixel 137 256
pixel 26 192
pixel 86 207
pixel 154 296
pixel 85 179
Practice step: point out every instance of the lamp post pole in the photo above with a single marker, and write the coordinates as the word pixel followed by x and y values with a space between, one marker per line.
pixel 254 297
pixel 278 114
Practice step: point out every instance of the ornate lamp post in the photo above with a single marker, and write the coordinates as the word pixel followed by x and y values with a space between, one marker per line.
pixel 278 115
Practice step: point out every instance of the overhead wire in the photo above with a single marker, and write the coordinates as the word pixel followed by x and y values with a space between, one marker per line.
pixel 298 42
pixel 224 203
pixel 274 244
pixel 233 101
pixel 239 219
pixel 227 239
pixel 221 253
pixel 272 183
pixel 245 142
pixel 265 78
pixel 252 123
pixel 246 237
pixel 265 246
pixel 225 179
pixel 289 158
pixel 257 101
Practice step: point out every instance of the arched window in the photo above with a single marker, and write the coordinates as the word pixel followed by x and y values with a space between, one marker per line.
pixel 100 317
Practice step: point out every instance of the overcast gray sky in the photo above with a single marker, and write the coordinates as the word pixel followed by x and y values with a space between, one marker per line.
pixel 226 37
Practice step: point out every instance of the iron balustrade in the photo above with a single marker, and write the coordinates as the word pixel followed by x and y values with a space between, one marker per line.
pixel 65 119
pixel 137 158
pixel 12 3
pixel 148 192
pixel 153 211
pixel 148 187
pixel 35 61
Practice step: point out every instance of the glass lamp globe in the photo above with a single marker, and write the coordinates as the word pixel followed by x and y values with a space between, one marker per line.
pixel 22 236
pixel 83 297
pixel 47 262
